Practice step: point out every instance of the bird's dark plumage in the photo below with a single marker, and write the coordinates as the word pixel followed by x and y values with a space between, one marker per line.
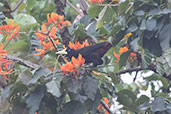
pixel 91 54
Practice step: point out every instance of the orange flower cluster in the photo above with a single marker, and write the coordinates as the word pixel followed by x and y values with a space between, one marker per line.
pixel 96 1
pixel 57 19
pixel 77 45
pixel 4 63
pixel 44 35
pixel 72 67
pixel 123 50
pixel 100 107
pixel 10 30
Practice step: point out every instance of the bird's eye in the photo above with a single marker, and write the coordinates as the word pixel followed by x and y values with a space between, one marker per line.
pixel 68 50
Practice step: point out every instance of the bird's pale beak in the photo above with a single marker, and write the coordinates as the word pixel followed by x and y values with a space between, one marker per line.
pixel 63 52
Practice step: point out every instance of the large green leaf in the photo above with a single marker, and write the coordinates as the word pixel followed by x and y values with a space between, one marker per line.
pixel 39 73
pixel 151 24
pixel 116 28
pixel 53 87
pixel 73 107
pixel 129 93
pixel 155 48
pixel 94 11
pixel 124 58
pixel 123 7
pixel 92 105
pixel 165 36
pixel 90 87
pixel 25 21
pixel 142 99
pixel 20 45
pixel 34 99
pixel 104 16
pixel 158 104
pixel 126 100
pixel 79 32
pixel 5 93
pixel 74 85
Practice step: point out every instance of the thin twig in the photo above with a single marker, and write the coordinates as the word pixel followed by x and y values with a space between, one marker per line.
pixel 19 3
pixel 106 107
pixel 74 7
pixel 112 5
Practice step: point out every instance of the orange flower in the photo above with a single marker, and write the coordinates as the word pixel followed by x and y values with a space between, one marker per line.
pixel 116 55
pixel 2 52
pixel 4 67
pixel 123 49
pixel 77 62
pixel 133 54
pixel 41 52
pixel 54 18
pixel 132 57
pixel 96 1
pixel 43 35
pixel 77 45
pixel 72 67
pixel 10 29
pixel 96 73
pixel 67 68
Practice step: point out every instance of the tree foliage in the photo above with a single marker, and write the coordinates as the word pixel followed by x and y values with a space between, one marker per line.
pixel 37 84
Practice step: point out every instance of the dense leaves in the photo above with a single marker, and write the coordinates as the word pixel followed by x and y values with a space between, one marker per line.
pixel 137 80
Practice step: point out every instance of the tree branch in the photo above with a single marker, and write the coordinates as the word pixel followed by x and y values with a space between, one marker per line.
pixel 22 62
pixel 17 6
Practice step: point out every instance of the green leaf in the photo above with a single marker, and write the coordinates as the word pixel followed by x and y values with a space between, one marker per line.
pixel 20 45
pixel 100 18
pixel 25 21
pixel 142 99
pixel 25 76
pixel 167 56
pixel 74 85
pixel 18 88
pixel 30 4
pixel 85 20
pixel 73 107
pixel 79 32
pixel 105 16
pixel 126 100
pixel 143 25
pixel 158 104
pixel 90 87
pixel 151 24
pixel 165 36
pixel 132 28
pixel 155 48
pixel 53 87
pixel 124 58
pixel 116 28
pixel 34 99
pixel 123 7
pixel 94 11
pixel 5 93
pixel 129 93
pixel 92 105
pixel 39 73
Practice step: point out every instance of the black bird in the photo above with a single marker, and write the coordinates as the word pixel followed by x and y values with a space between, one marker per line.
pixel 91 54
